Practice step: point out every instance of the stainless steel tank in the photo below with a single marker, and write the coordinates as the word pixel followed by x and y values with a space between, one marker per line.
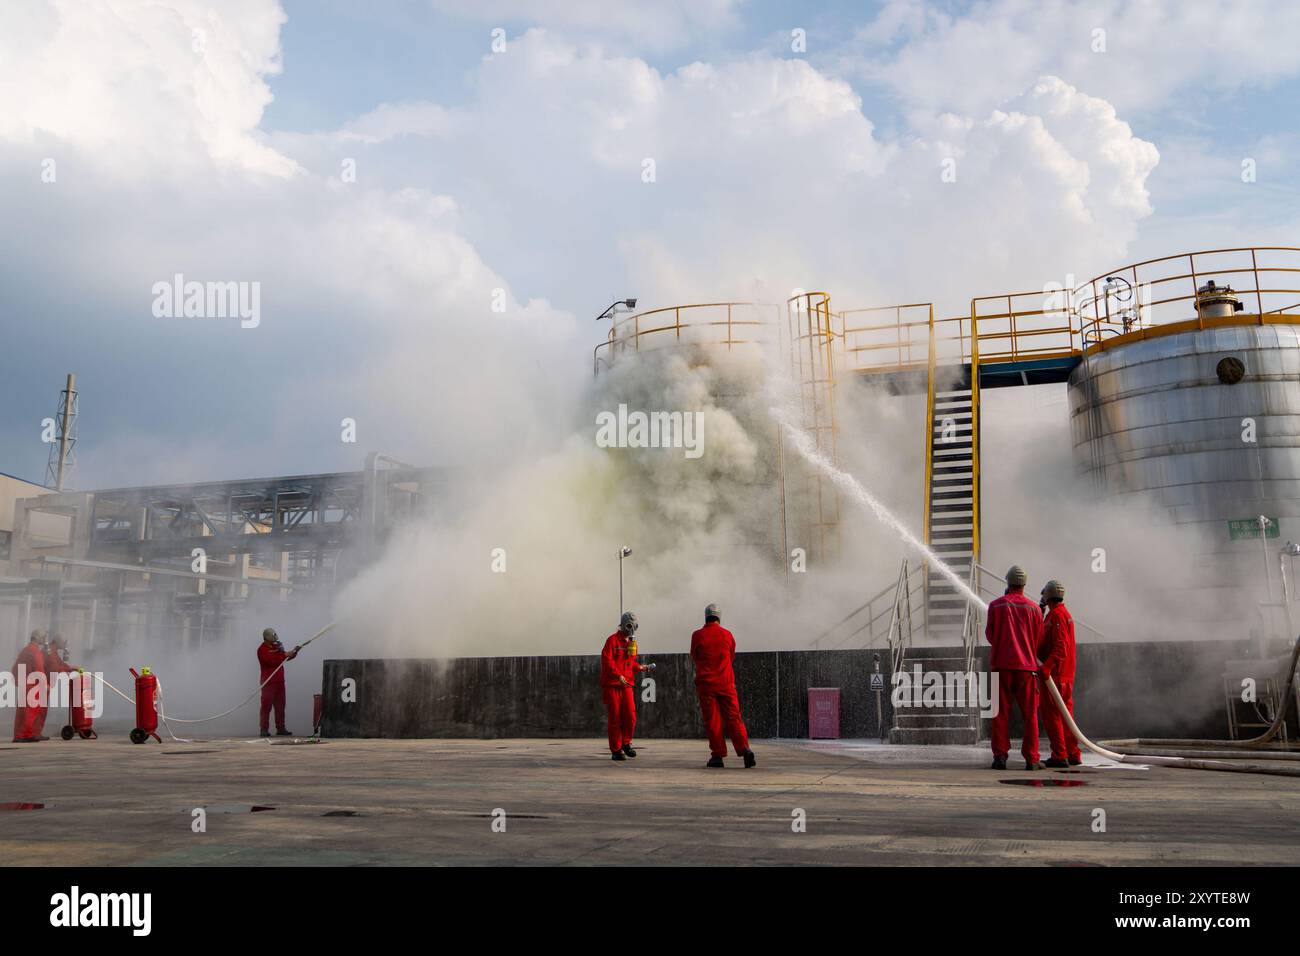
pixel 1169 421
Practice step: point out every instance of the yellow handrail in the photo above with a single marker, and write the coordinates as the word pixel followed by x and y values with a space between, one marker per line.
pixel 626 332
pixel 1012 327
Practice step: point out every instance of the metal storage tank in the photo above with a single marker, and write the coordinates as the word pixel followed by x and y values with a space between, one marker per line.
pixel 1190 403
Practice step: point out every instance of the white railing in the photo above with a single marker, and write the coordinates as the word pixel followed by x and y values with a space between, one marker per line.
pixel 876 618
pixel 901 626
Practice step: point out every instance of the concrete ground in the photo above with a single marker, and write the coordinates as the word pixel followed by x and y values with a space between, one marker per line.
pixel 386 802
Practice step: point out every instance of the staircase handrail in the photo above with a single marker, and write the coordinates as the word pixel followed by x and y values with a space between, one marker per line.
pixel 900 639
pixel 872 617
pixel 970 620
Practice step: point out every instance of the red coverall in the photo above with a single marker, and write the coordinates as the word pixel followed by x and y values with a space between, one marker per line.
pixel 1057 654
pixel 54 664
pixel 713 649
pixel 617 660
pixel 271 656
pixel 32 657
pixel 1015 631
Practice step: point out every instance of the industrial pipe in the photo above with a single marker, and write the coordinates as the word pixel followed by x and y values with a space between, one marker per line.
pixel 1254 744
pixel 1159 761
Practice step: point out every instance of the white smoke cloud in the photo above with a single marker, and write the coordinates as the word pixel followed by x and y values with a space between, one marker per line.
pixel 769 175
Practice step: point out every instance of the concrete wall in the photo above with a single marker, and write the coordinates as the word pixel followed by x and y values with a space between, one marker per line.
pixel 11 489
pixel 1123 690
pixel 560 696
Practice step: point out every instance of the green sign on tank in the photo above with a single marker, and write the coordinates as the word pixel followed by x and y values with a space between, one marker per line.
pixel 1249 528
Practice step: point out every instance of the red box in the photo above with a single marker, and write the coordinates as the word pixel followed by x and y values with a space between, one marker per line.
pixel 824 713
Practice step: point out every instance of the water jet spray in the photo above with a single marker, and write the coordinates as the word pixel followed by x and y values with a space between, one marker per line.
pixel 854 489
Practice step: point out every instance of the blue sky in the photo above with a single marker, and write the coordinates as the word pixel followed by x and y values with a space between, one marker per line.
pixel 342 58
pixel 521 171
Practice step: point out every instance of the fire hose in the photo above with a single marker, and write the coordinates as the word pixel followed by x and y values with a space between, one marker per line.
pixel 203 720
pixel 1188 763
pixel 1223 749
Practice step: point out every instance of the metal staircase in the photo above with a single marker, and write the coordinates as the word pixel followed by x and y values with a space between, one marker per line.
pixel 890 621
pixel 952 515
pixel 954 719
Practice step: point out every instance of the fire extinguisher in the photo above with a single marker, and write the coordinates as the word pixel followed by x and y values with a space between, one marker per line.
pixel 79 708
pixel 146 711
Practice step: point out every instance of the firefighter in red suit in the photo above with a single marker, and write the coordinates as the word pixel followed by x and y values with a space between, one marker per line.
pixel 31 662
pixel 271 654
pixel 1057 655
pixel 618 670
pixel 713 650
pixel 1015 631
pixel 54 665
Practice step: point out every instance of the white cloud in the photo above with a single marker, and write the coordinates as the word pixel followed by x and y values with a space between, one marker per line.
pixel 1155 50
pixel 153 84
pixel 374 304
pixel 768 176
pixel 400 119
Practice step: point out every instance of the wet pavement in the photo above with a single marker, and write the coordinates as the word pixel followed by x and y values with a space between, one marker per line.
pixel 496 802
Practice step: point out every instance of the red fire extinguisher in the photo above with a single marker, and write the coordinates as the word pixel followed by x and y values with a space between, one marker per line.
pixel 79 708
pixel 146 711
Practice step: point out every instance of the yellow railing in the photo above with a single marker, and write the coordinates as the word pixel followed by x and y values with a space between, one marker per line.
pixel 1153 297
pixel 888 336
pixel 1162 293
pixel 1157 296
pixel 816 333
pixel 726 324
pixel 1023 326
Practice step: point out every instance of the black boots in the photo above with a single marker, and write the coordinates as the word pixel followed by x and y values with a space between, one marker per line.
pixel 627 749
pixel 999 763
pixel 617 755
pixel 714 762
pixel 1054 763
pixel 750 759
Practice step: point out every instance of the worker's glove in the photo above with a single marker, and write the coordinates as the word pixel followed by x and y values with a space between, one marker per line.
pixel 648 667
